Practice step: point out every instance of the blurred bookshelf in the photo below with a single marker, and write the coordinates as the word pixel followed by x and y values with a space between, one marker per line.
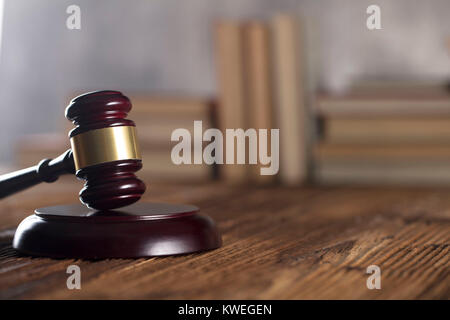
pixel 382 131
pixel 260 74
pixel 156 117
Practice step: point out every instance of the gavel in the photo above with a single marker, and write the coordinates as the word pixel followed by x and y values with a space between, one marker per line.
pixel 104 152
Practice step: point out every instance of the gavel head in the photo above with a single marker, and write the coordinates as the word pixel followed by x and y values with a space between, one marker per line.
pixel 105 149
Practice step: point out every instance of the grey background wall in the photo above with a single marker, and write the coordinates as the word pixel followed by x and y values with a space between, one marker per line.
pixel 166 46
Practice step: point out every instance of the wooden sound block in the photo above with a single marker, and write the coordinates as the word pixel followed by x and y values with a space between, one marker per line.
pixel 138 230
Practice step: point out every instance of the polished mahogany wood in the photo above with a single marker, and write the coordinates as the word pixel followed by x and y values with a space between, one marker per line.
pixel 47 170
pixel 97 110
pixel 113 184
pixel 138 230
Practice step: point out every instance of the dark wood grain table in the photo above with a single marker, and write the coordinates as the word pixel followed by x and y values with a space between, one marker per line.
pixel 279 243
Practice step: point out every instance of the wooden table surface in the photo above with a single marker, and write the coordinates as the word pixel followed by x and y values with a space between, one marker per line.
pixel 279 243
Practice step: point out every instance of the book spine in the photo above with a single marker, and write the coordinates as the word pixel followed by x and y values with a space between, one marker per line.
pixel 259 97
pixel 231 95
pixel 290 104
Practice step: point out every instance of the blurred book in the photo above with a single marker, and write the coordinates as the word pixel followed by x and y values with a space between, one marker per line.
pixel 290 101
pixel 168 106
pixel 406 172
pixel 259 67
pixel 382 135
pixel 343 152
pixel 158 166
pixel 32 148
pixel 381 164
pixel 398 86
pixel 156 117
pixel 387 130
pixel 259 86
pixel 386 101
pixel 231 89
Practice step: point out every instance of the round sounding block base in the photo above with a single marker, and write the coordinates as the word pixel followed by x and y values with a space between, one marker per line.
pixel 138 230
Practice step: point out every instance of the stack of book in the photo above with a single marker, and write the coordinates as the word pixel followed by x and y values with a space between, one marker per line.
pixel 259 68
pixel 156 118
pixel 381 134
pixel 32 148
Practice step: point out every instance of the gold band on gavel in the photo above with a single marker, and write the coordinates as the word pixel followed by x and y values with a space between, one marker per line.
pixel 104 145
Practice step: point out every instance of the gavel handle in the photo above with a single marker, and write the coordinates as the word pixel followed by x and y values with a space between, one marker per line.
pixel 47 170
